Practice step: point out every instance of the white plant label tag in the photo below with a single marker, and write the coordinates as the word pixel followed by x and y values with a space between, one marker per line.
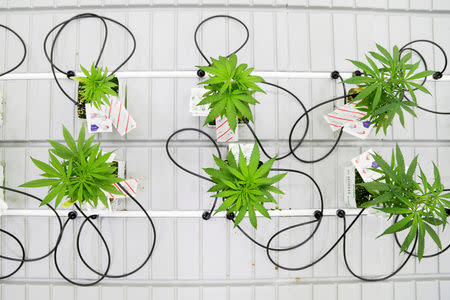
pixel 247 150
pixel 360 129
pixel 363 163
pixel 196 97
pixel 224 133
pixel 349 187
pixel 97 120
pixel 343 114
pixel 120 117
pixel 130 185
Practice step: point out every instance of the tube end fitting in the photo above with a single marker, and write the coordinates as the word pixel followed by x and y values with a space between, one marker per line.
pixel 201 73
pixel 340 213
pixel 72 215
pixel 70 74
pixel 230 216
pixel 335 74
pixel 437 75
pixel 357 73
pixel 206 215
pixel 318 215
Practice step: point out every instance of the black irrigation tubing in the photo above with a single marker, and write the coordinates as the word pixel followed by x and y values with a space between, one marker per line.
pixel 62 226
pixel 55 254
pixel 24 257
pixel 24 50
pixel 92 224
pixel 71 73
pixel 206 214
pixel 226 17
pixel 61 229
pixel 370 279
pixel 437 75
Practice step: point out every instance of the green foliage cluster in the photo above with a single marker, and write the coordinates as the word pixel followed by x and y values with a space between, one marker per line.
pixel 82 174
pixel 231 90
pixel 385 85
pixel 421 205
pixel 244 187
pixel 96 86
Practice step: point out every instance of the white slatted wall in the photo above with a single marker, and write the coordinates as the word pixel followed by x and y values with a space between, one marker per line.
pixel 195 259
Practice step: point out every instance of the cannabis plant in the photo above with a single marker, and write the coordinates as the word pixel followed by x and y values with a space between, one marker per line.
pixel 244 187
pixel 78 171
pixel 231 90
pixel 96 86
pixel 385 84
pixel 418 204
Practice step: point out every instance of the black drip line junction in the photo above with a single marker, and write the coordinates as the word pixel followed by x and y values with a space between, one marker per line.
pixel 318 214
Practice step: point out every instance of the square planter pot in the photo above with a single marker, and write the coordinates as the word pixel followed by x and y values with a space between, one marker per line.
pixel 355 195
pixel 81 109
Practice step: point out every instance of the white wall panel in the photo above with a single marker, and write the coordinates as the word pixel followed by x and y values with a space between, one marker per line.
pixel 193 258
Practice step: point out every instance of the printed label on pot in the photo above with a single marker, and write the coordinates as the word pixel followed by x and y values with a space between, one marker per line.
pixel 120 117
pixel 246 150
pixel 196 97
pixel 360 129
pixel 130 185
pixel 349 187
pixel 224 133
pixel 342 115
pixel 97 120
pixel 363 163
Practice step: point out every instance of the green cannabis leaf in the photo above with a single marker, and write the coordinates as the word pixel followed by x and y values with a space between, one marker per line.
pixel 421 205
pixel 231 90
pixel 243 187
pixel 96 86
pixel 82 174
pixel 385 84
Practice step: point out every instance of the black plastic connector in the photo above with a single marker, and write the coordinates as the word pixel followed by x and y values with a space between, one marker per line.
pixel 357 73
pixel 318 215
pixel 437 75
pixel 93 217
pixel 340 213
pixel 201 73
pixel 70 74
pixel 230 216
pixel 72 215
pixel 206 215
pixel 335 74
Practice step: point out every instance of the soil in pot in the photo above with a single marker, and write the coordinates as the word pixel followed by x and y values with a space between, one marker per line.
pixel 353 91
pixel 81 108
pixel 213 123
pixel 361 194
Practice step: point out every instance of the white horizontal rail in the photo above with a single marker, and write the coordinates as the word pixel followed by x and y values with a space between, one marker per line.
pixel 229 282
pixel 186 74
pixel 171 213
